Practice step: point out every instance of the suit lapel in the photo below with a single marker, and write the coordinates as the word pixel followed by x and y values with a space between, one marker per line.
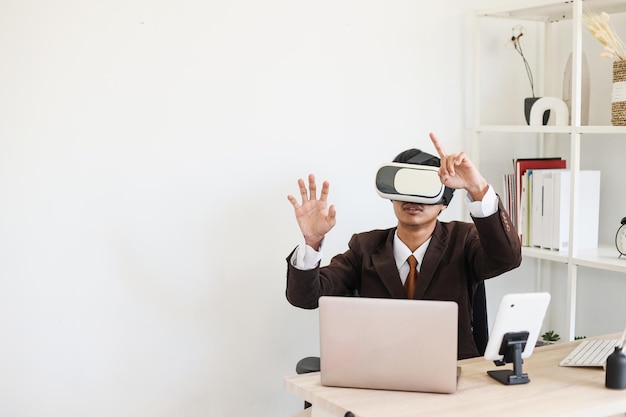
pixel 431 260
pixel 385 266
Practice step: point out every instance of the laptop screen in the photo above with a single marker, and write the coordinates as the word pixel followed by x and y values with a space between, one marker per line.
pixel 392 344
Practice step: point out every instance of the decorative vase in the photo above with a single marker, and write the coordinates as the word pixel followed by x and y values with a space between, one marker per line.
pixel 616 369
pixel 528 105
pixel 548 107
pixel 618 98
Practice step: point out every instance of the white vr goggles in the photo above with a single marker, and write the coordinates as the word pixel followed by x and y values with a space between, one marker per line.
pixel 409 182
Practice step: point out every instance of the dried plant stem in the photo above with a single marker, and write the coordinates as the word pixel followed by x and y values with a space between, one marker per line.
pixel 518 48
pixel 598 24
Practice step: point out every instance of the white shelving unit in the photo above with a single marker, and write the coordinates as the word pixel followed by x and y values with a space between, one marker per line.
pixel 546 15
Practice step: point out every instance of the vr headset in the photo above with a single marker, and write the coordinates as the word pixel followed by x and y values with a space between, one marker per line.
pixel 411 183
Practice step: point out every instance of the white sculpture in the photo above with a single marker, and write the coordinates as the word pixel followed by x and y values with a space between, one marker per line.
pixel 558 111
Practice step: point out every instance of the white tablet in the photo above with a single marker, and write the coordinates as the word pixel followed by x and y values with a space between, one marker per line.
pixel 518 313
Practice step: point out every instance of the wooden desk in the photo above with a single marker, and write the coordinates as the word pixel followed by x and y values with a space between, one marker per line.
pixel 552 391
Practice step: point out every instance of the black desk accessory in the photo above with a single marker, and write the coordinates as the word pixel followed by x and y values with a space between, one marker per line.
pixel 616 367
pixel 515 333
pixel 511 348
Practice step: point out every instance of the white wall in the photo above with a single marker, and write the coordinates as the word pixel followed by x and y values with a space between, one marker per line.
pixel 146 151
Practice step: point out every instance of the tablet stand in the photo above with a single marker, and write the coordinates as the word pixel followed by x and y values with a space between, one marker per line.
pixel 511 348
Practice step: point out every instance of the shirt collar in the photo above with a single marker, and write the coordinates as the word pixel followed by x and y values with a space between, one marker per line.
pixel 402 251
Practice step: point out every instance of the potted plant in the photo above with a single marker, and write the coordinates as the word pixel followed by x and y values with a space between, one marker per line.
pixel 550 336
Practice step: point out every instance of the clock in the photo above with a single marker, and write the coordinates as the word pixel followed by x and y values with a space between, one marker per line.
pixel 620 238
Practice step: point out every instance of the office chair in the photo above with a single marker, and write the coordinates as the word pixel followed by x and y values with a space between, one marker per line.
pixel 480 331
pixel 480 326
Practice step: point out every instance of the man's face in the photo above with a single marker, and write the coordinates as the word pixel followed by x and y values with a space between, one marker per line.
pixel 414 214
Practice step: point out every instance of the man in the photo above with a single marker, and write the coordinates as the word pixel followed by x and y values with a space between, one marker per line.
pixel 452 258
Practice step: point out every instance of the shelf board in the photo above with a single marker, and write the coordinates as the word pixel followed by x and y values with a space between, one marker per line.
pixel 551 10
pixel 545 254
pixel 602 129
pixel 523 129
pixel 609 130
pixel 604 257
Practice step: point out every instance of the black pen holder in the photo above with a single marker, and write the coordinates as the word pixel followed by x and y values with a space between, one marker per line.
pixel 616 369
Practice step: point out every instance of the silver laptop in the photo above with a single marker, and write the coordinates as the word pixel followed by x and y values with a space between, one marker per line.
pixel 389 344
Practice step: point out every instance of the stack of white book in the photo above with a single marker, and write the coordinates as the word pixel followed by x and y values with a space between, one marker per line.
pixel 546 198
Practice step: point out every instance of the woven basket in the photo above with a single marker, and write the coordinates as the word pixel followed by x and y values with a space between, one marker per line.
pixel 618 101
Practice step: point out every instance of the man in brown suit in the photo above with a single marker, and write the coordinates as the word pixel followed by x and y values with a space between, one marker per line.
pixel 452 258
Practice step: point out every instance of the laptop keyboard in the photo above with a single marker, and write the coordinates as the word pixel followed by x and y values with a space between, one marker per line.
pixel 590 353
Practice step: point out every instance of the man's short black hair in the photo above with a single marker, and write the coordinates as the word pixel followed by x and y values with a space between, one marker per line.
pixel 417 157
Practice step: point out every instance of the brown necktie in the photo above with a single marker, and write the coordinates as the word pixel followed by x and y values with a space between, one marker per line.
pixel 409 285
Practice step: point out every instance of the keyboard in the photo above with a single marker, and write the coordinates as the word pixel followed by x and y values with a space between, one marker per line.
pixel 591 353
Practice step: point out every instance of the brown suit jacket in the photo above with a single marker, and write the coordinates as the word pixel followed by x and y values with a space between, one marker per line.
pixel 459 256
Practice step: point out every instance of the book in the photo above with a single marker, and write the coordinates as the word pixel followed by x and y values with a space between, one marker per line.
pixel 547 214
pixel 551 204
pixel 524 229
pixel 560 225
pixel 550 215
pixel 509 196
pixel 535 178
pixel 588 210
pixel 521 165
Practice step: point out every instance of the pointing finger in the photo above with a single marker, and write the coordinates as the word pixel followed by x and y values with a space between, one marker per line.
pixel 438 147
